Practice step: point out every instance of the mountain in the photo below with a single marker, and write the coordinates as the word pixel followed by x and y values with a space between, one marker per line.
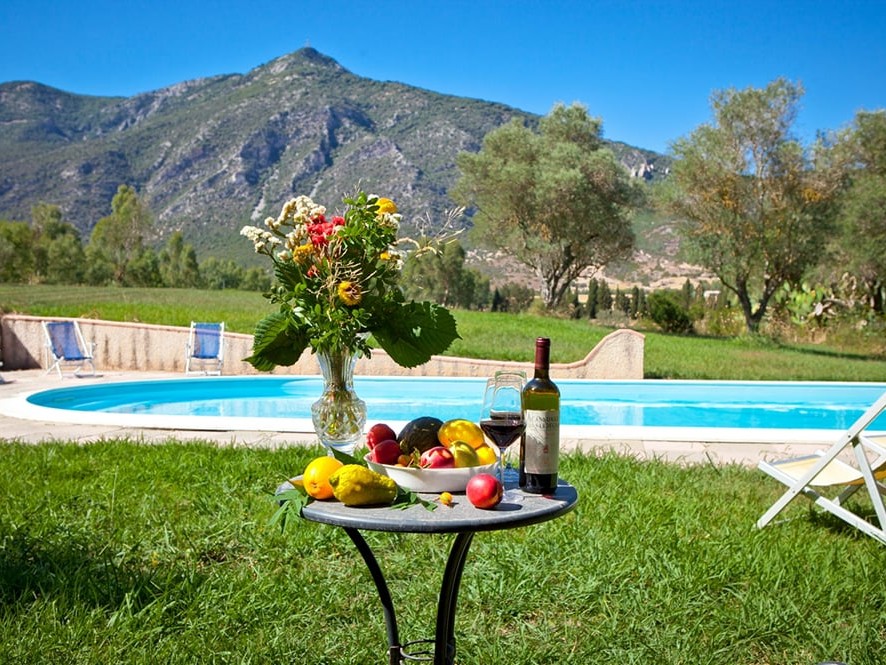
pixel 213 154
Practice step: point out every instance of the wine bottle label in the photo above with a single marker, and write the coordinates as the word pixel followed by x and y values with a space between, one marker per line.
pixel 542 449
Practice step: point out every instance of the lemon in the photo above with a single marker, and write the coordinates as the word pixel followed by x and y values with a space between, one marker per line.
pixel 460 429
pixel 486 454
pixel 316 477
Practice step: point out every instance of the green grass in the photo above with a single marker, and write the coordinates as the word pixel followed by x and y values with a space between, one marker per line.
pixel 484 334
pixel 130 553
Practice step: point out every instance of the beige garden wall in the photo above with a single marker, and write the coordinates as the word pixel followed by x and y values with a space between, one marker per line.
pixel 141 347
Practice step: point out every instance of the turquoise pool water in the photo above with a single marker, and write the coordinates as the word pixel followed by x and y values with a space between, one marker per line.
pixel 650 403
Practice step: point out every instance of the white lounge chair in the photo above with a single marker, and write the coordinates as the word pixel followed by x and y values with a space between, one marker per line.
pixel 205 348
pixel 65 345
pixel 821 476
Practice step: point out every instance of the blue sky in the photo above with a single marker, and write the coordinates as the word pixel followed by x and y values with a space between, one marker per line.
pixel 646 68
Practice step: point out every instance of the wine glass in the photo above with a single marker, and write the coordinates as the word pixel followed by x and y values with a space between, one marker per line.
pixel 502 417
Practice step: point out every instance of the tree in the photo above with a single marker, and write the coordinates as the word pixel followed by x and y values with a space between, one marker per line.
pixel 58 250
pixel 604 298
pixel 592 298
pixel 119 239
pixel 556 200
pixel 440 275
pixel 178 263
pixel 638 302
pixel 16 255
pixel 65 260
pixel 218 274
pixel 513 298
pixel 754 205
pixel 863 213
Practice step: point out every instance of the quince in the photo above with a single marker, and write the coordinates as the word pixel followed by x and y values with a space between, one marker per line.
pixel 355 485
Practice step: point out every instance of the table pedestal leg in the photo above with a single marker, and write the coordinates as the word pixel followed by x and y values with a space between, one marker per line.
pixel 384 594
pixel 444 646
pixel 444 638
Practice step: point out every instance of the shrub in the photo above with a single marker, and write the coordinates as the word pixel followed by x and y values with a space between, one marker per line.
pixel 666 310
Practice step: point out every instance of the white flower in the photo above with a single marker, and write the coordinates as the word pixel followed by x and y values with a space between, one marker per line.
pixel 390 220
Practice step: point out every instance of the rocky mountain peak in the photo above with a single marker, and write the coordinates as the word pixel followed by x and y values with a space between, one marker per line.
pixel 211 154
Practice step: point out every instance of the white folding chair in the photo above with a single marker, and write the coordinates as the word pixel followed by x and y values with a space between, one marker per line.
pixel 819 476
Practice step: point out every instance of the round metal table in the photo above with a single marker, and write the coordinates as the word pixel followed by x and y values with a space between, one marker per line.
pixel 461 519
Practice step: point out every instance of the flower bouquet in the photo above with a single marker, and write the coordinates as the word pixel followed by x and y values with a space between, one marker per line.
pixel 336 290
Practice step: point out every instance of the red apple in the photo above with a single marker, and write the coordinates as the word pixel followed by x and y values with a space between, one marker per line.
pixel 378 433
pixel 386 452
pixel 484 490
pixel 438 457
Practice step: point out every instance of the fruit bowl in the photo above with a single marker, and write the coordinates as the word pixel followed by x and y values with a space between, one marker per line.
pixel 415 479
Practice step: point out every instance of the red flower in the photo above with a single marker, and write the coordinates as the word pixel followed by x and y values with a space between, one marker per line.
pixel 319 229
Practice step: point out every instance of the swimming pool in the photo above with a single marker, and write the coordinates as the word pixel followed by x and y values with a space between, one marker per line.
pixel 678 410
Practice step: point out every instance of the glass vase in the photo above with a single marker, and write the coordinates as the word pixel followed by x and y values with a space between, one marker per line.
pixel 339 414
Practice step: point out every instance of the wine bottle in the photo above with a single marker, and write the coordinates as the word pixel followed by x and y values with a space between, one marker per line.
pixel 540 444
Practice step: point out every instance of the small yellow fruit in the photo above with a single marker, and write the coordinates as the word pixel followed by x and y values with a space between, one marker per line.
pixel 486 454
pixel 460 429
pixel 316 477
pixel 446 498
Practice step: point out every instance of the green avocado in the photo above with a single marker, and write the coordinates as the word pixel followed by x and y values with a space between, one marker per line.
pixel 420 434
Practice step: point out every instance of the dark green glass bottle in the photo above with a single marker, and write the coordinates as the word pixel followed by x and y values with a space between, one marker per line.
pixel 540 444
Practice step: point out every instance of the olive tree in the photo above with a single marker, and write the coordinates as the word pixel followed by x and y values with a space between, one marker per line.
pixel 556 200
pixel 863 210
pixel 753 204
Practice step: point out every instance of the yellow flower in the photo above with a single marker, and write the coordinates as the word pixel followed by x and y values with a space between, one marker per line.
pixel 386 206
pixel 349 293
pixel 811 195
pixel 302 253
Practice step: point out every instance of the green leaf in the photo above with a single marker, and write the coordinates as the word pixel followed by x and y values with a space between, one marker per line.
pixel 344 458
pixel 275 343
pixel 291 504
pixel 418 331
pixel 406 498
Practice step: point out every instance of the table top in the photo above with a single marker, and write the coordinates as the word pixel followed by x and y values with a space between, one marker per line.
pixel 460 516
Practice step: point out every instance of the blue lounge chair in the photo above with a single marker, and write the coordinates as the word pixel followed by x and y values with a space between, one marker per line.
pixel 65 345
pixel 205 349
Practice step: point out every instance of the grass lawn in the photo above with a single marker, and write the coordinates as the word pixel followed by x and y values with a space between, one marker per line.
pixel 119 552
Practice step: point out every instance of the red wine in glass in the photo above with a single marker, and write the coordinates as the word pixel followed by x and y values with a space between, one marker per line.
pixel 503 428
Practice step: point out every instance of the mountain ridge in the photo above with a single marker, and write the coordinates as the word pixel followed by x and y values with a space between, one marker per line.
pixel 211 154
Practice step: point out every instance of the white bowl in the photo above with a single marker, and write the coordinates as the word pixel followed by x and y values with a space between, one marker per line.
pixel 430 480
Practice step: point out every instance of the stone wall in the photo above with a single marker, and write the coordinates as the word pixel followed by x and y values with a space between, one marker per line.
pixel 141 347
